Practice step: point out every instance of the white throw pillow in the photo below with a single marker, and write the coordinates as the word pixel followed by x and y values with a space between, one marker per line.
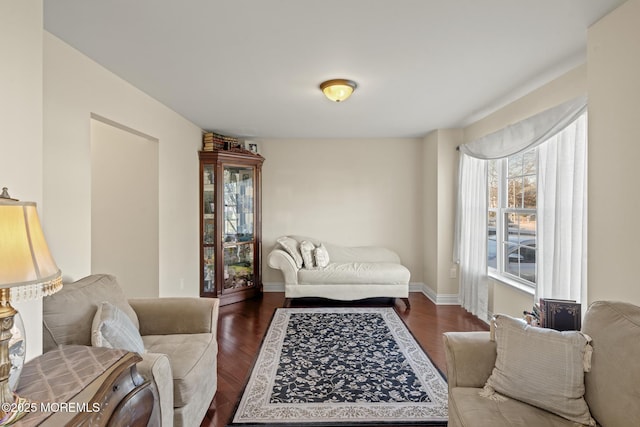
pixel 291 246
pixel 112 328
pixel 542 367
pixel 306 249
pixel 321 256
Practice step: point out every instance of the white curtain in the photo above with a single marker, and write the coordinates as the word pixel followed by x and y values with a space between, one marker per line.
pixel 471 236
pixel 562 219
pixel 558 200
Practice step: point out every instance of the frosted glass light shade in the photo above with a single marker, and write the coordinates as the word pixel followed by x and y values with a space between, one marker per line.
pixel 338 90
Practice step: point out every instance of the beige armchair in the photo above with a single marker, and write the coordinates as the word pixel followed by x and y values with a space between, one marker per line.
pixel 611 385
pixel 179 336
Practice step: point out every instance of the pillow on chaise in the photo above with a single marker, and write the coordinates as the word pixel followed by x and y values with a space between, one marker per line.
pixel 321 255
pixel 306 249
pixel 291 247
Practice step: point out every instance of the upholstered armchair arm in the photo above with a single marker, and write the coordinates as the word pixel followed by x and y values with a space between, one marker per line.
pixel 282 261
pixel 165 316
pixel 156 368
pixel 470 358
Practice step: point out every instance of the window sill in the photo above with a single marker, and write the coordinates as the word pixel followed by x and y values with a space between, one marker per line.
pixel 512 283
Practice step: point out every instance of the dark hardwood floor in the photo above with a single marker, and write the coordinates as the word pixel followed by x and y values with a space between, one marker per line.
pixel 241 327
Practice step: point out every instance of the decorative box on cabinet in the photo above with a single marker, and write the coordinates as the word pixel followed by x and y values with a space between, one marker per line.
pixel 230 225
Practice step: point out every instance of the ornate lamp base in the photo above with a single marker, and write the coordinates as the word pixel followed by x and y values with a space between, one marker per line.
pixel 18 409
pixel 12 406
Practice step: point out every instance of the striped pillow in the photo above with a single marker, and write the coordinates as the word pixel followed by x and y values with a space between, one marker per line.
pixel 112 328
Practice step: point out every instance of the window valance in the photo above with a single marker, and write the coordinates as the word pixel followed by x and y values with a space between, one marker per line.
pixel 527 133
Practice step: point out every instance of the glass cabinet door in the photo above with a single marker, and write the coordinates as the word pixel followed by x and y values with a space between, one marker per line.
pixel 230 221
pixel 209 227
pixel 238 224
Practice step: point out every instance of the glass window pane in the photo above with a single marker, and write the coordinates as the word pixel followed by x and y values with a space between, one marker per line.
pixel 521 262
pixel 529 162
pixel 208 178
pixel 530 192
pixel 209 230
pixel 511 226
pixel 527 225
pixel 209 269
pixel 515 165
pixel 520 246
pixel 492 260
pixel 238 266
pixel 238 204
pixel 514 192
pixel 512 201
pixel 208 175
pixel 493 184
pixel 520 226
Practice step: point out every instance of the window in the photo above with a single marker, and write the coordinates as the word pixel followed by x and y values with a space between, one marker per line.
pixel 511 217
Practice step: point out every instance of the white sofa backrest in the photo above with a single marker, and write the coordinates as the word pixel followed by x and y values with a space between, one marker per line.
pixel 612 390
pixel 354 253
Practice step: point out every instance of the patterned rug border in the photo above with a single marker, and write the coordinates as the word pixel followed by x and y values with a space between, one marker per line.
pixel 390 316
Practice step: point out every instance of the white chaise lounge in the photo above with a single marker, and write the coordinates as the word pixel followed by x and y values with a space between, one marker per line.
pixel 349 273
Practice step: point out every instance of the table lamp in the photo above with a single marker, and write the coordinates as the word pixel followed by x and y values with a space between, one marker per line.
pixel 27 272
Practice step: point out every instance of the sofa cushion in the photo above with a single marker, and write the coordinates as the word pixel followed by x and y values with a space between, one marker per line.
pixel 612 390
pixel 356 273
pixel 342 254
pixel 541 367
pixel 291 246
pixel 113 329
pixel 191 357
pixel 468 409
pixel 67 315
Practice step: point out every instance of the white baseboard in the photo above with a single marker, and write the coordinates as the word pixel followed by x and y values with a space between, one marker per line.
pixel 438 299
pixel 273 286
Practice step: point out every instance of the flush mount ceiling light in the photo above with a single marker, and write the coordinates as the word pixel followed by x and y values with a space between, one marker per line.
pixel 338 90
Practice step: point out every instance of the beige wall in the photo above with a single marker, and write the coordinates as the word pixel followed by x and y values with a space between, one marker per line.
pixel 505 299
pixel 344 191
pixel 430 212
pixel 565 87
pixel 21 125
pixel 75 87
pixel 614 150
pixel 440 167
pixel 124 207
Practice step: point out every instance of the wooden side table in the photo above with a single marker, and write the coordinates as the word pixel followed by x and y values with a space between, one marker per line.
pixel 81 386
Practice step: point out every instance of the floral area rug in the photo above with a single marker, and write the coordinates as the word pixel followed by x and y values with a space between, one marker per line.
pixel 341 366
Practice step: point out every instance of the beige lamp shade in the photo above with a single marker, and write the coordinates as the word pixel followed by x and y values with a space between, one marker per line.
pixel 25 260
pixel 338 90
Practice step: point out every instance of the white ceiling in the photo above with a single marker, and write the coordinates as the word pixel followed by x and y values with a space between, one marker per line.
pixel 252 68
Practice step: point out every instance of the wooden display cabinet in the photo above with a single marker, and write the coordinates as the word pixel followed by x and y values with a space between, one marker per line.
pixel 230 224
